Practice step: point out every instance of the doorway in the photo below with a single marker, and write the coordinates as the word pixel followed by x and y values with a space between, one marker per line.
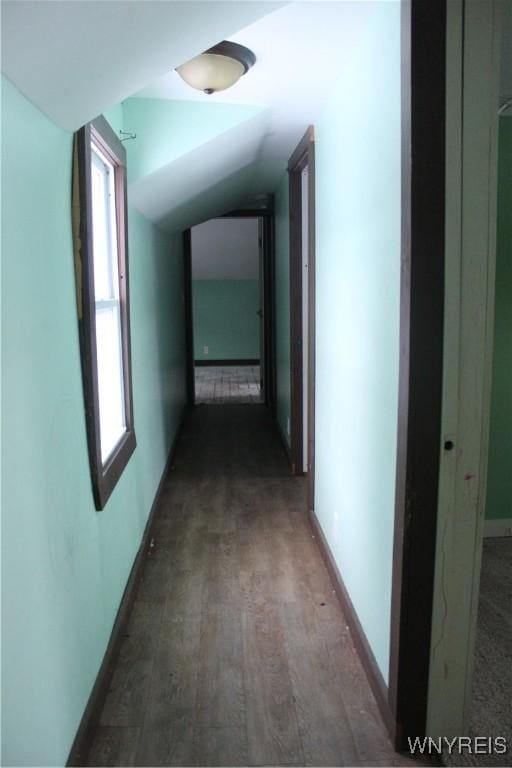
pixel 228 309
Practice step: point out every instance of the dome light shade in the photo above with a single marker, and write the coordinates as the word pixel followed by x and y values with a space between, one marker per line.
pixel 217 68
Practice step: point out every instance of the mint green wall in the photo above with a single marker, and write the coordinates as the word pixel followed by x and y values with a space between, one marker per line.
pixel 64 565
pixel 225 319
pixel 167 129
pixel 357 320
pixel 499 482
pixel 282 272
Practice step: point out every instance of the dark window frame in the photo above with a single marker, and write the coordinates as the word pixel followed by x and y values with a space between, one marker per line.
pixel 104 476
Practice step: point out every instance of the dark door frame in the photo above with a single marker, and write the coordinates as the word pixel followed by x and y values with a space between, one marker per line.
pixel 423 68
pixel 189 323
pixel 304 155
pixel 267 248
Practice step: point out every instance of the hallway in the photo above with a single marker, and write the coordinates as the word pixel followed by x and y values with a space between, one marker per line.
pixel 237 652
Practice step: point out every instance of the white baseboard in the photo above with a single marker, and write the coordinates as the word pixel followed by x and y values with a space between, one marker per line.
pixel 498 527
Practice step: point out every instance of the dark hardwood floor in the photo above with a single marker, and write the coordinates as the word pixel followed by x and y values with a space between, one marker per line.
pixel 237 652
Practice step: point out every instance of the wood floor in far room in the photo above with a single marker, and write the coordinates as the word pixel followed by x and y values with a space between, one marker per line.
pixel 228 384
pixel 237 652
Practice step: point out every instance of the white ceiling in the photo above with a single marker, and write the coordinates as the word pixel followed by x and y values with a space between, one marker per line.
pixel 226 249
pixel 76 58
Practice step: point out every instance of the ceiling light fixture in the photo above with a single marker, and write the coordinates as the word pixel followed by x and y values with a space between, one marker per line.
pixel 217 68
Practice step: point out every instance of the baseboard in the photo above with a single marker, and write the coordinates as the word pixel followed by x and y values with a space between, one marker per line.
pixel 373 673
pixel 227 362
pixel 89 722
pixel 498 527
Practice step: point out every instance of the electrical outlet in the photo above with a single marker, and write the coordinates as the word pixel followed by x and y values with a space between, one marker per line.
pixel 288 426
pixel 206 350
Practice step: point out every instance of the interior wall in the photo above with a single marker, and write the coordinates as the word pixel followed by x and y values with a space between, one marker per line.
pixel 282 304
pixel 357 167
pixel 499 478
pixel 168 129
pixel 225 319
pixel 65 565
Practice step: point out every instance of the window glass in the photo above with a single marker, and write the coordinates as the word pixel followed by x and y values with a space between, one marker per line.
pixel 109 352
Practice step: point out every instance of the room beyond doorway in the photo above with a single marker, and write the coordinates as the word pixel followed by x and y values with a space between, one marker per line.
pixel 227 310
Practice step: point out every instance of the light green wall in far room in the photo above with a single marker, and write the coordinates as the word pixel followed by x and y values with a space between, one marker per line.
pixel 65 565
pixel 358 176
pixel 499 481
pixel 282 288
pixel 225 319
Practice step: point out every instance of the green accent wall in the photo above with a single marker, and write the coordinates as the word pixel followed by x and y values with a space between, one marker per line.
pixel 357 320
pixel 282 287
pixel 499 481
pixel 225 319
pixel 167 129
pixel 65 565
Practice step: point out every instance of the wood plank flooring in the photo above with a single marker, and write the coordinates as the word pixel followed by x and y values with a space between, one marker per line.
pixel 217 384
pixel 237 652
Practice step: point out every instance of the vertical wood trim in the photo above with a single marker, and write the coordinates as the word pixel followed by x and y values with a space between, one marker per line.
pixel 421 356
pixel 189 321
pixel 471 194
pixel 311 326
pixel 296 426
pixel 269 313
pixel 302 156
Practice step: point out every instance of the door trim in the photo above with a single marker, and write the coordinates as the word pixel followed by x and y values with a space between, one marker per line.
pixel 472 137
pixel 304 155
pixel 267 217
pixel 189 321
pixel 423 72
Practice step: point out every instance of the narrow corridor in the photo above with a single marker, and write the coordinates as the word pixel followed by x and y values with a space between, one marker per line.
pixel 237 652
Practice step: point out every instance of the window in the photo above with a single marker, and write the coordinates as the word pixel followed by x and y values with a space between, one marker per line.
pixel 101 254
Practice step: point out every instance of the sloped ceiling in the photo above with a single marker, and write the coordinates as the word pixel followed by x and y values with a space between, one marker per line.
pixel 226 249
pixel 195 156
pixel 301 50
pixel 166 130
pixel 204 181
pixel 76 58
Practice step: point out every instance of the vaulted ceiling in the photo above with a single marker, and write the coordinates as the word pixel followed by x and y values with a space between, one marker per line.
pixel 75 58
pixel 195 156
